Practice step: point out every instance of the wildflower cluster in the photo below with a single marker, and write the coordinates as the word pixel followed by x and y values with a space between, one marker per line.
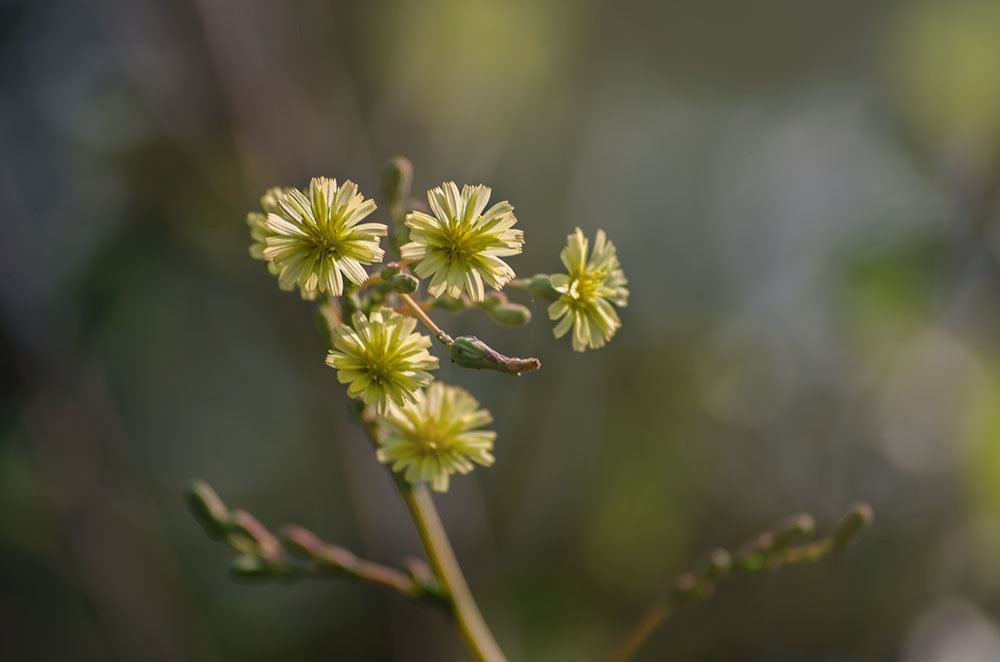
pixel 315 241
pixel 426 431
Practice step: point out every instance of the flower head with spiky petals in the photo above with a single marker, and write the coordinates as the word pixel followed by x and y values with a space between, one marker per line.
pixel 381 359
pixel 460 246
pixel 436 436
pixel 587 292
pixel 315 241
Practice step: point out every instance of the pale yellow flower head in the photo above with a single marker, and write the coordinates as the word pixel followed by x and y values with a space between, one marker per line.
pixel 315 241
pixel 381 359
pixel 587 291
pixel 460 246
pixel 435 436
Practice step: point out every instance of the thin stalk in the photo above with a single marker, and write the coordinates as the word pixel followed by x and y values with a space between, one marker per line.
pixel 470 622
pixel 419 313
pixel 651 620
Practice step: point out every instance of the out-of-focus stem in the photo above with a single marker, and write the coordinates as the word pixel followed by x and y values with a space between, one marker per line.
pixel 635 638
pixel 768 551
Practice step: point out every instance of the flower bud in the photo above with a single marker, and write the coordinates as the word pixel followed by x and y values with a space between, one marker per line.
pixel 686 587
pixel 718 565
pixel 397 177
pixel 471 352
pixel 493 299
pixel 793 530
pixel 208 509
pixel 269 201
pixel 403 283
pixel 860 517
pixel 540 286
pixel 511 314
pixel 449 304
pixel 390 270
pixel 251 568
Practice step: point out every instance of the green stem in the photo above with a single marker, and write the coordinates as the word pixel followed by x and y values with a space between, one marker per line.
pixel 442 559
pixel 419 313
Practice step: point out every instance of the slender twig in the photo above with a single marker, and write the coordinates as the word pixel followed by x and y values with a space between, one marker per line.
pixel 335 561
pixel 299 552
pixel 768 551
pixel 419 313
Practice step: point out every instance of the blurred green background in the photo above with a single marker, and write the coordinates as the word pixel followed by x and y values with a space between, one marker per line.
pixel 804 196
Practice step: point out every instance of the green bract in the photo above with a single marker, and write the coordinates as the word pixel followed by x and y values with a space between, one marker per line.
pixel 435 436
pixel 587 292
pixel 381 359
pixel 460 246
pixel 315 241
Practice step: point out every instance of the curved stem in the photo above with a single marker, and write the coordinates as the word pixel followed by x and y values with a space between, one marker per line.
pixel 442 559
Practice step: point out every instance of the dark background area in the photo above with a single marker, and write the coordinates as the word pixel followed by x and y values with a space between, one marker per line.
pixel 804 198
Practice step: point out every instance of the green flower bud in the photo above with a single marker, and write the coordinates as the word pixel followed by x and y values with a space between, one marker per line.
pixel 511 314
pixel 540 286
pixel 397 177
pixel 247 526
pixel 471 352
pixel 794 530
pixel 251 568
pixel 718 565
pixel 860 517
pixel 403 283
pixel 269 201
pixel 449 304
pixel 493 299
pixel 390 270
pixel 686 587
pixel 208 509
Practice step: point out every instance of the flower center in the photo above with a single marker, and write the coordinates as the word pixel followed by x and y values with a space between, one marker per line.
pixel 430 439
pixel 461 243
pixel 382 370
pixel 584 287
pixel 326 235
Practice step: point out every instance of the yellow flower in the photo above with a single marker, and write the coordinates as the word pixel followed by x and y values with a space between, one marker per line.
pixel 587 292
pixel 381 358
pixel 435 436
pixel 461 245
pixel 315 241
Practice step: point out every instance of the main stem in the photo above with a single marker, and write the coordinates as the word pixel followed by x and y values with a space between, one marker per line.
pixel 470 622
